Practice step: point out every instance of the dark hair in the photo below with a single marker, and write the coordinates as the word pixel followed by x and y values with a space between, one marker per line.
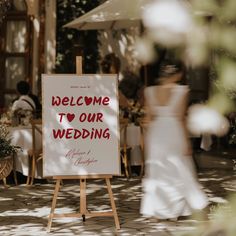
pixel 110 60
pixel 130 84
pixel 23 87
pixel 168 69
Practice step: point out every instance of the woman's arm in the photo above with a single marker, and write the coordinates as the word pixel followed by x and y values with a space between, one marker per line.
pixel 184 122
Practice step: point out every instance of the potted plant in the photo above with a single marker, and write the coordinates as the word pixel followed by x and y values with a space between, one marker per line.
pixel 6 152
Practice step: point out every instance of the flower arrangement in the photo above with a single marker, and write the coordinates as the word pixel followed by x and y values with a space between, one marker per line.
pixel 6 148
pixel 133 112
pixel 131 87
pixel 136 112
pixel 6 117
pixel 22 117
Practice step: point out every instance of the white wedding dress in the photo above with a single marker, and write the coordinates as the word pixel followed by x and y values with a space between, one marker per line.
pixel 170 185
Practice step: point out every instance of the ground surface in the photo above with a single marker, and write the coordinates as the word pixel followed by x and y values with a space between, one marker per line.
pixel 24 210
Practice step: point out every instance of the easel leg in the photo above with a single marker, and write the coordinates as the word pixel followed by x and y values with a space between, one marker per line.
pixel 142 165
pixel 14 170
pixel 113 206
pixel 54 201
pixel 126 164
pixel 30 163
pixel 5 183
pixel 15 177
pixel 33 170
pixel 83 208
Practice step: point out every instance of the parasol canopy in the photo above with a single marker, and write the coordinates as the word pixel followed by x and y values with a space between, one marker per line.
pixel 113 14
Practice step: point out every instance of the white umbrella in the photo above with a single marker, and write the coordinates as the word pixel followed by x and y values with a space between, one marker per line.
pixel 113 14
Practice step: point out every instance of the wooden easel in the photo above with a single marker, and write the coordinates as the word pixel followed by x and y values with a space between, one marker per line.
pixel 83 206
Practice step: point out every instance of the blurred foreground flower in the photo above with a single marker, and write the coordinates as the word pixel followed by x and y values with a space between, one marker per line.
pixel 167 21
pixel 205 120
pixel 223 222
pixel 200 33
pixel 144 50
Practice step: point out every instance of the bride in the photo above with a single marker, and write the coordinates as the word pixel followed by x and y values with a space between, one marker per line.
pixel 170 185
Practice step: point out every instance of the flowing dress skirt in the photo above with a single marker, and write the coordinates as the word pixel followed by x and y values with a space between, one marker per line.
pixel 170 186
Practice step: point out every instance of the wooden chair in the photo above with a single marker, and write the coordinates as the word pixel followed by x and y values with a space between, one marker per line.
pixel 123 146
pixel 34 154
pixel 6 166
pixel 143 123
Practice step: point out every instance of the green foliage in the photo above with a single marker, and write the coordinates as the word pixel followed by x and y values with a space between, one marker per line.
pixel 6 148
pixel 222 223
pixel 232 133
pixel 218 20
pixel 72 42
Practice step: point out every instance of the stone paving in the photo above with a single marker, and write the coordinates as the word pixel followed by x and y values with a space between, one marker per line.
pixel 24 210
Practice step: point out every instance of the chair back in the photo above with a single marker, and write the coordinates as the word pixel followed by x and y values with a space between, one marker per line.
pixel 143 124
pixel 123 146
pixel 123 131
pixel 36 153
pixel 36 131
pixel 22 117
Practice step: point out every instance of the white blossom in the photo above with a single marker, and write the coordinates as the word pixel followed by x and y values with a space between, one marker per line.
pixel 167 21
pixel 205 120
pixel 144 51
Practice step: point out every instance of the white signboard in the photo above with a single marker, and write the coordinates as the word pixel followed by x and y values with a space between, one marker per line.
pixel 80 125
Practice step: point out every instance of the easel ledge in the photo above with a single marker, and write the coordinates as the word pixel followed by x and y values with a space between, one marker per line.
pixel 82 177
pixel 83 208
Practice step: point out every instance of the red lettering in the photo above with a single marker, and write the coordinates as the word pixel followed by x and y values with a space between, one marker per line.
pixel 99 117
pixel 56 101
pixel 97 133
pixel 61 115
pixel 91 117
pixel 97 100
pixel 65 101
pixel 105 101
pixel 82 117
pixel 68 133
pixel 77 134
pixel 78 103
pixel 58 133
pixel 106 134
pixel 85 133
pixel 88 100
pixel 72 101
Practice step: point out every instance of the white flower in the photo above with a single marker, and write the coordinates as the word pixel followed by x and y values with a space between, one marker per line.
pixel 205 120
pixel 168 21
pixel 144 51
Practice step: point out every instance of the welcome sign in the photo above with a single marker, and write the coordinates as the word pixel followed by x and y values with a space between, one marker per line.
pixel 80 125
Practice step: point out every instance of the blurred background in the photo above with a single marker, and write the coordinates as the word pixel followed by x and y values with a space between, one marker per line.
pixel 34 41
